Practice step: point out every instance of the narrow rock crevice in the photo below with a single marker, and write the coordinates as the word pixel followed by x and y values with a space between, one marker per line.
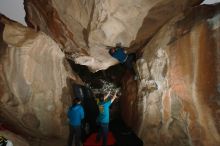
pixel 100 83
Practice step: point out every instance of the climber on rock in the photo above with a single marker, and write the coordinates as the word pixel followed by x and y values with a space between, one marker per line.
pixel 123 57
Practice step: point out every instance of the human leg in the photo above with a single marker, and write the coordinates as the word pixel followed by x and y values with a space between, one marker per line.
pixel 130 61
pixel 104 133
pixel 70 139
pixel 99 133
pixel 77 131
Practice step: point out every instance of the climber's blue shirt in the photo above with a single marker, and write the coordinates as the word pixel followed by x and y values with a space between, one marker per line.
pixel 75 115
pixel 104 111
pixel 120 55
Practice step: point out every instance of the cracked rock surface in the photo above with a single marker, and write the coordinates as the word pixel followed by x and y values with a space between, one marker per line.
pixel 182 60
pixel 33 79
pixel 85 27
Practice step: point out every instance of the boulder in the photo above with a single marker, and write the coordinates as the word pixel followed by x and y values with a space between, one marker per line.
pixel 84 28
pixel 34 80
pixel 182 59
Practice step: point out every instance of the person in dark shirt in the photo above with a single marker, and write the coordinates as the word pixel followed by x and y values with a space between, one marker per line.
pixel 75 115
pixel 103 117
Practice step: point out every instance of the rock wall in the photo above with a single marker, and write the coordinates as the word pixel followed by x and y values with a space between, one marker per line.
pixel 129 102
pixel 85 27
pixel 176 100
pixel 178 90
pixel 34 82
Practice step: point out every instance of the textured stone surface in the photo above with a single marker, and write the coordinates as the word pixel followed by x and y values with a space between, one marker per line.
pixel 85 27
pixel 129 101
pixel 33 80
pixel 183 61
pixel 175 102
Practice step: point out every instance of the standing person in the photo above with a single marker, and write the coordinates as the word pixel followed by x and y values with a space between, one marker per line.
pixel 75 115
pixel 103 117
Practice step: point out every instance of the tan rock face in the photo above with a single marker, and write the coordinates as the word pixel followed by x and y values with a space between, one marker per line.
pixel 84 28
pixel 183 61
pixel 33 80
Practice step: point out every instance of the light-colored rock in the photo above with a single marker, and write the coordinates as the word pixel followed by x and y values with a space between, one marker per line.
pixel 33 79
pixel 86 27
pixel 183 60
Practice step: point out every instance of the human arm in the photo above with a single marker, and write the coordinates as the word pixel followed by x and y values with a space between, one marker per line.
pixel 82 113
pixel 122 50
pixel 114 97
pixel 125 51
pixel 106 96
pixel 69 112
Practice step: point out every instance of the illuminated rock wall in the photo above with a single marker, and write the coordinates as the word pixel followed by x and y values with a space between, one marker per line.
pixel 178 91
pixel 34 92
pixel 85 27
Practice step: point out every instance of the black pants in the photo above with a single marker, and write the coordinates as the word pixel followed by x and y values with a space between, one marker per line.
pixel 129 62
pixel 74 130
pixel 103 132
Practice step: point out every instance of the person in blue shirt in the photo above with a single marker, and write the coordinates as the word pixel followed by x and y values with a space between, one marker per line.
pixel 118 52
pixel 121 55
pixel 103 117
pixel 75 115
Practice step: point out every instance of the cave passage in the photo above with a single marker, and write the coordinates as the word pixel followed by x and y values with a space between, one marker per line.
pixel 100 83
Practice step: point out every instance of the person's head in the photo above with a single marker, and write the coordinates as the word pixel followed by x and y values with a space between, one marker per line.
pixel 112 50
pixel 100 97
pixel 76 101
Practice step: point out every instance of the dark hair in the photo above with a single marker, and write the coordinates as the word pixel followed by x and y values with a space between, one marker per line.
pixel 111 51
pixel 100 97
pixel 76 100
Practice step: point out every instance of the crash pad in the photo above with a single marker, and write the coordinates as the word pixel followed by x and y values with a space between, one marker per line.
pixel 91 140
